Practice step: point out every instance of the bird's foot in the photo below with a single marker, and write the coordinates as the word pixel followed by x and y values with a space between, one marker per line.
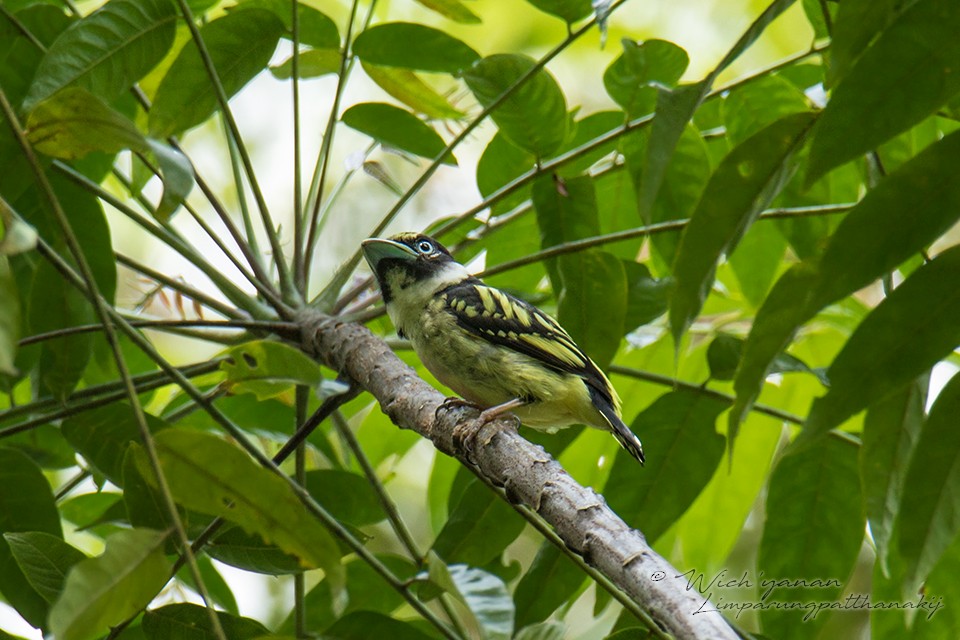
pixel 452 403
pixel 465 433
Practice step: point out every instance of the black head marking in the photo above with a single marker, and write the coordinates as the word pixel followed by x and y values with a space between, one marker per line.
pixel 426 258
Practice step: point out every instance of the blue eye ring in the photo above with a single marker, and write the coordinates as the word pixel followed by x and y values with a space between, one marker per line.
pixel 425 247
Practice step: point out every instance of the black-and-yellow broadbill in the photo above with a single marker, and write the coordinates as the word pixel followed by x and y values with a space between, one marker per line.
pixel 496 351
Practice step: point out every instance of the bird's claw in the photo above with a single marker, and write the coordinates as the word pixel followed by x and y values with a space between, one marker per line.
pixel 451 403
pixel 465 433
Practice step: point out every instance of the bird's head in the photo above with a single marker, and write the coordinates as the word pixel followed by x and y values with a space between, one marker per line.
pixel 411 267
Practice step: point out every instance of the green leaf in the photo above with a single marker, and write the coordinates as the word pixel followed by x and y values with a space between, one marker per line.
pixel 928 520
pixel 937 620
pixel 675 108
pixel 534 116
pixel 725 351
pixel 858 24
pixel 44 560
pixel 566 211
pixel 759 103
pixel 774 326
pixel 742 186
pixel 647 296
pixel 408 88
pixel 547 585
pixel 317 30
pixel 365 592
pixel 74 122
pixel 479 528
pixel 240 45
pixel 346 495
pixel 633 78
pixel 757 261
pixel 102 436
pixel 569 11
pixel 363 625
pixel 890 432
pixel 142 500
pixel 212 476
pixel 894 344
pixel 501 163
pixel 192 621
pixel 313 63
pixel 9 318
pixel 107 51
pixel 594 285
pixel 267 368
pixel 678 430
pixel 101 592
pixel 413 46
pixel 915 56
pixel 586 130
pixel 62 360
pixel 488 600
pixel 812 491
pixel 453 9
pixel 177 173
pixel 872 240
pixel 685 177
pixel 395 127
pixel 26 504
pixel 249 552
pixel 875 236
pixel 542 631
pixel 86 509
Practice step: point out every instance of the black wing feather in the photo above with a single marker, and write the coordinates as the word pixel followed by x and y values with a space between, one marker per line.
pixel 502 319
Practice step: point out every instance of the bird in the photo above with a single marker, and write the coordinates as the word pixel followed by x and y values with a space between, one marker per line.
pixel 496 351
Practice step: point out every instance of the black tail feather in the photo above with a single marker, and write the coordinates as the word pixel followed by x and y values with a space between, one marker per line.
pixel 627 439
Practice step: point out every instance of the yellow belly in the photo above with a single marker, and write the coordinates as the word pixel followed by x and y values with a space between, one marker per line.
pixel 488 375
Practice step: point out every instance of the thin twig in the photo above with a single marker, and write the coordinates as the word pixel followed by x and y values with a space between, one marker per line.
pixel 316 196
pixel 281 328
pixel 286 281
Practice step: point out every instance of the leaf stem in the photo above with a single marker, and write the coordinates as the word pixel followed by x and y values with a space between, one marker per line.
pixel 282 328
pixel 286 281
pixel 95 396
pixel 168 236
pixel 652 229
pixel 320 174
pixel 300 472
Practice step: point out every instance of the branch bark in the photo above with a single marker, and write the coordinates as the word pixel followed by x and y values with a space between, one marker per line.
pixel 579 515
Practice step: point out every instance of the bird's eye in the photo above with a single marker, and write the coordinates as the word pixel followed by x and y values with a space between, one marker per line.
pixel 425 246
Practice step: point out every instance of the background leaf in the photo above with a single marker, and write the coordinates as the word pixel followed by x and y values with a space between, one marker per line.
pixel 914 55
pixel 395 127
pixel 26 504
pixel 240 45
pixel 212 476
pixel 931 491
pixel 413 46
pixel 680 427
pixel 44 560
pixel 811 491
pixel 107 51
pixel 101 592
pixel 534 116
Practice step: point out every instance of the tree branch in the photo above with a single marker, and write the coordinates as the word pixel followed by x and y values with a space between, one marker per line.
pixel 579 515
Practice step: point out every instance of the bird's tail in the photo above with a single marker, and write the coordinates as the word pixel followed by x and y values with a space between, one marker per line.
pixel 627 439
